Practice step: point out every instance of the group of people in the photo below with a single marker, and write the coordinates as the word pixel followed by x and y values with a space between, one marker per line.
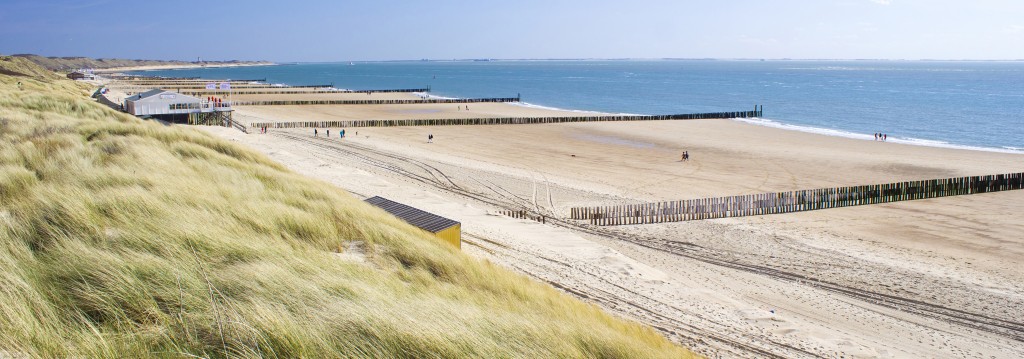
pixel 317 133
pixel 216 101
pixel 460 107
pixel 686 156
pixel 881 136
pixel 263 129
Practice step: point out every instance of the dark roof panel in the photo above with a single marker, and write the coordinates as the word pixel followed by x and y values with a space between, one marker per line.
pixel 425 220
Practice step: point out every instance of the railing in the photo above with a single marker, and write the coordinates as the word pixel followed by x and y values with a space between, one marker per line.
pixel 230 122
pixel 794 201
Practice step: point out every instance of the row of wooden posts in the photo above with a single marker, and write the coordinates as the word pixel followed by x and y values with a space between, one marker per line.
pixel 187 80
pixel 141 78
pixel 521 214
pixel 499 120
pixel 794 201
pixel 372 102
pixel 202 85
pixel 297 92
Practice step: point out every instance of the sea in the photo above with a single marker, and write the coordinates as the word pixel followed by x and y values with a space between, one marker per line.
pixel 961 104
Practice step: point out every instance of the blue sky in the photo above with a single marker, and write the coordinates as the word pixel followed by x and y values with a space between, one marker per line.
pixel 292 30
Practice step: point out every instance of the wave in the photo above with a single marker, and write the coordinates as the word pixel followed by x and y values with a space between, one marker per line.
pixel 433 97
pixel 855 68
pixel 862 136
pixel 530 105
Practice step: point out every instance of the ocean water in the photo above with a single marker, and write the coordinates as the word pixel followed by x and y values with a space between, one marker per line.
pixel 976 105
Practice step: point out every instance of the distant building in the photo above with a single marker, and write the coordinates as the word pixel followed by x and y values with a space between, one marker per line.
pixel 448 230
pixel 175 107
pixel 77 75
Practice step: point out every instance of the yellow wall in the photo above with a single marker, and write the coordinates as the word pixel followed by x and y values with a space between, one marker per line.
pixel 451 235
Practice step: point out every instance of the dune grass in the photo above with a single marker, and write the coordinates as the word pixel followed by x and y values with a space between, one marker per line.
pixel 126 238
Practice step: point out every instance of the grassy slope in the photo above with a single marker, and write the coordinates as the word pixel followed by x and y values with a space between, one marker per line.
pixel 120 237
pixel 20 66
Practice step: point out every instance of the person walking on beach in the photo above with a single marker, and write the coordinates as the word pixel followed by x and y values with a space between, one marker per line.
pixel 328 133
pixel 430 138
pixel 342 133
pixel 885 137
pixel 314 132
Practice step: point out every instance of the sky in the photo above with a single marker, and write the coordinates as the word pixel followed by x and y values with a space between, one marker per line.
pixel 358 30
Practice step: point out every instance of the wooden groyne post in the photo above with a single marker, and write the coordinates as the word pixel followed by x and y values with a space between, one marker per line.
pixel 501 120
pixel 795 201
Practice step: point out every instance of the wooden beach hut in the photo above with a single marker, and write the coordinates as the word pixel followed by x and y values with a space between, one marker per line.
pixel 79 75
pixel 447 229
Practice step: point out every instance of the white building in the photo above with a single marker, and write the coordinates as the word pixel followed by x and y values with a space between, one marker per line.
pixel 172 106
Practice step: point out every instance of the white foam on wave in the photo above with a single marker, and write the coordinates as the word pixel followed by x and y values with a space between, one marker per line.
pixel 433 97
pixel 530 105
pixel 862 136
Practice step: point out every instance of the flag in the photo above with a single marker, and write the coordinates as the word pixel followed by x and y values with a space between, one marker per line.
pixel 225 85
pixel 211 86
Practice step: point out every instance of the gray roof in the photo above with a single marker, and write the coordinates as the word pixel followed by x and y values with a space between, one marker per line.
pixel 149 93
pixel 155 92
pixel 425 220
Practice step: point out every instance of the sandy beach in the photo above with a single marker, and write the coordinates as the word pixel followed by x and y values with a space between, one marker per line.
pixel 250 114
pixel 928 278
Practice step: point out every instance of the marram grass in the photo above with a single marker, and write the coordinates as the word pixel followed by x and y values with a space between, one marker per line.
pixel 125 238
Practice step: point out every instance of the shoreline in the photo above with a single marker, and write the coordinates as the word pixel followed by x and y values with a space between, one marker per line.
pixel 181 67
pixel 900 129
pixel 765 122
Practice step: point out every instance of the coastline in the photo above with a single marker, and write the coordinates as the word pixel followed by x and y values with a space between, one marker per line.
pixel 873 109
pixel 867 137
pixel 182 67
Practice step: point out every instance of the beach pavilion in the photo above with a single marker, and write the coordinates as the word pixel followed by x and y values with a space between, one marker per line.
pixel 171 106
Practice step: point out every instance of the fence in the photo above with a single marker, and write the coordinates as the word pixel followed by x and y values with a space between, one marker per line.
pixel 502 120
pixel 794 201
pixel 521 214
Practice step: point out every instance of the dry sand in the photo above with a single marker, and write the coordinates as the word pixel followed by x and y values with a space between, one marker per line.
pixel 250 114
pixel 929 278
pixel 347 96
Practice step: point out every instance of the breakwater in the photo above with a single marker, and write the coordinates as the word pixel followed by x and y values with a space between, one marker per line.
pixel 502 120
pixel 794 201
pixel 372 102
